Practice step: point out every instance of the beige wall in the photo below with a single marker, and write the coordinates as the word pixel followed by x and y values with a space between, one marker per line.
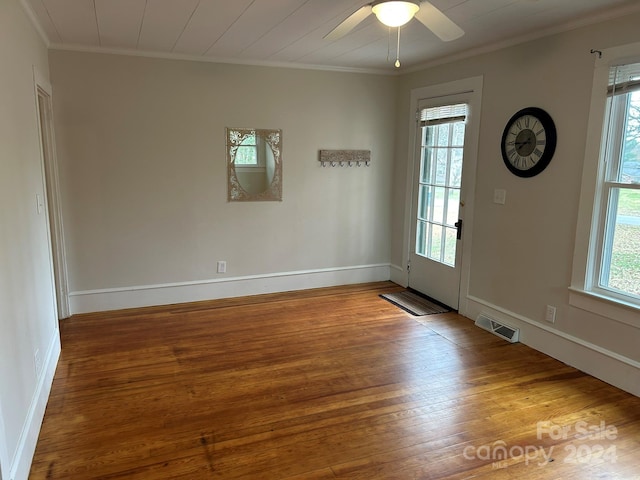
pixel 27 309
pixel 143 175
pixel 522 251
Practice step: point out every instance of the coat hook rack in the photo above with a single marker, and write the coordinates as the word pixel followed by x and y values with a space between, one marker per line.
pixel 345 158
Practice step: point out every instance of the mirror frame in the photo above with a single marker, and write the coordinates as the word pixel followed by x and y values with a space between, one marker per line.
pixel 235 137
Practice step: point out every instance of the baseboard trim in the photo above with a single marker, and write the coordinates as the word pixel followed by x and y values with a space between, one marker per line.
pixel 610 367
pixel 21 463
pixel 170 293
pixel 399 275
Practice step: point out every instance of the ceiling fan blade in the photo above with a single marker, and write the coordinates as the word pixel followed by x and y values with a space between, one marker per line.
pixel 349 24
pixel 438 22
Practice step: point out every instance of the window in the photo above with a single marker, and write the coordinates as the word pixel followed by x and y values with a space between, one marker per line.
pixel 247 153
pixel 442 134
pixel 615 258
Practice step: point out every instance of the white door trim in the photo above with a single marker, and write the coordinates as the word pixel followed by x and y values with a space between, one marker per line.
pixel 473 87
pixel 4 454
pixel 52 196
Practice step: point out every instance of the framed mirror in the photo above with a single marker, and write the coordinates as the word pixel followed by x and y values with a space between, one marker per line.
pixel 254 164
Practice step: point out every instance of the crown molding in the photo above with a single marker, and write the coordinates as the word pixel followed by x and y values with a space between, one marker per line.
pixel 604 16
pixel 232 61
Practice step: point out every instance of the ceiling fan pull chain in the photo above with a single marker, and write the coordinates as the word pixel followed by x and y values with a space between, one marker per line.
pixel 389 45
pixel 397 64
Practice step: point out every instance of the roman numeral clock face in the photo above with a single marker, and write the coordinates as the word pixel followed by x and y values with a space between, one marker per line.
pixel 528 142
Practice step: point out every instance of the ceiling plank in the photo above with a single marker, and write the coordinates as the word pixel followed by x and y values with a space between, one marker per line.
pixel 163 23
pixel 74 20
pixel 119 22
pixel 209 22
pixel 255 22
pixel 44 20
pixel 358 39
pixel 312 19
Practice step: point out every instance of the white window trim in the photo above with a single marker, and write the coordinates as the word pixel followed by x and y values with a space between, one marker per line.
pixel 579 296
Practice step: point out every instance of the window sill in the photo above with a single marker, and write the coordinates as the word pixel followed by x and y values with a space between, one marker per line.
pixel 614 309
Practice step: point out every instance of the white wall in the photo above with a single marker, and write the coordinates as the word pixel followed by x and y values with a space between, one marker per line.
pixel 27 305
pixel 143 178
pixel 522 251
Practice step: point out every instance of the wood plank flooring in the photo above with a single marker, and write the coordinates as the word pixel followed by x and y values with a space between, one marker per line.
pixel 322 384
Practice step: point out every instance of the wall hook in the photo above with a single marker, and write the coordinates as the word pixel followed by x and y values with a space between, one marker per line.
pixel 345 158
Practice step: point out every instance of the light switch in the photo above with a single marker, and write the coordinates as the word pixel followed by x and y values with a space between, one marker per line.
pixel 499 196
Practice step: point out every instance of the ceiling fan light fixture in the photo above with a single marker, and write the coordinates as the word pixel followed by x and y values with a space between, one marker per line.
pixel 393 13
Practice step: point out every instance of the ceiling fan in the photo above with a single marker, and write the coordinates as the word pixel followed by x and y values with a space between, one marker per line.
pixel 397 14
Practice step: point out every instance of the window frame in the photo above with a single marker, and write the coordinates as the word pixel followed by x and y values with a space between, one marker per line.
pixel 616 116
pixel 585 292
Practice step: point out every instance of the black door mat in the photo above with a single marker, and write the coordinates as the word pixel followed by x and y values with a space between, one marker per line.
pixel 414 303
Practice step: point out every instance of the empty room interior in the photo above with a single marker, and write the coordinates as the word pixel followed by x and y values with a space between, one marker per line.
pixel 218 217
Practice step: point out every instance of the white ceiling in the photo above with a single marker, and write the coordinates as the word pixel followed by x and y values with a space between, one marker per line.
pixel 290 32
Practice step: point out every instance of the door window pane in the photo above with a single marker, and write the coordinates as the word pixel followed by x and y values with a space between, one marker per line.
pixel 458 134
pixel 426 166
pixel 455 173
pixel 443 135
pixel 435 240
pixel 438 205
pixel 442 157
pixel 421 238
pixel 424 203
pixel 450 246
pixel 453 206
pixel 439 190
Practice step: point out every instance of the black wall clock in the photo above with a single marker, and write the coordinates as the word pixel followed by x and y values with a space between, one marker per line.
pixel 528 142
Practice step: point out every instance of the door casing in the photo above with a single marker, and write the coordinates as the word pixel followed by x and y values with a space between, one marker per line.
pixel 471 89
pixel 44 109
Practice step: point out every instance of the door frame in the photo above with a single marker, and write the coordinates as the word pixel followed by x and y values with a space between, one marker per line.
pixel 4 454
pixel 49 163
pixel 473 88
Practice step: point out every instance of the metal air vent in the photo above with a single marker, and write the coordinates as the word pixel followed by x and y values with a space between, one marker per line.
pixel 500 329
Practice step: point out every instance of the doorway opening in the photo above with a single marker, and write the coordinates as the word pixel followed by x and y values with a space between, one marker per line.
pixel 444 143
pixel 53 207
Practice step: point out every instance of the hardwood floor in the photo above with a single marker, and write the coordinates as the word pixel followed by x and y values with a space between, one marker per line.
pixel 322 384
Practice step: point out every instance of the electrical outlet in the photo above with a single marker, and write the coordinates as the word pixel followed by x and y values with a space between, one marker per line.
pixel 550 315
pixel 37 361
pixel 222 266
pixel 499 196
